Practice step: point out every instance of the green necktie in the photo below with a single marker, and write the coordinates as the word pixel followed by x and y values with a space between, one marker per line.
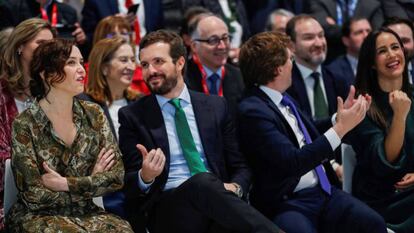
pixel 321 108
pixel 188 146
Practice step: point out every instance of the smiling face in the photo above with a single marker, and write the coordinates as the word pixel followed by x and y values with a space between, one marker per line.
pixel 73 84
pixel 120 69
pixel 212 56
pixel 159 71
pixel 389 59
pixel 310 43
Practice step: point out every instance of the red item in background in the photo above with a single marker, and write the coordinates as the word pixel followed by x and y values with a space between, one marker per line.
pixel 138 82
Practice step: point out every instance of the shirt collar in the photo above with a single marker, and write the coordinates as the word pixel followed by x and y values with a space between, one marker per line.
pixel 184 96
pixel 210 72
pixel 274 95
pixel 306 72
pixel 42 120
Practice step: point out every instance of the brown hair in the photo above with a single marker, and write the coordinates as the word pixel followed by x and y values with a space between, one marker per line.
pixel 12 68
pixel 101 54
pixel 50 60
pixel 108 25
pixel 366 80
pixel 177 47
pixel 261 55
pixel 291 25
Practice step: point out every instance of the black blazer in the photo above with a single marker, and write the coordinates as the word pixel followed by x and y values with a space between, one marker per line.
pixel 142 122
pixel 334 86
pixel 273 151
pixel 398 8
pixel 233 85
pixel 342 68
pixel 215 8
pixel 370 9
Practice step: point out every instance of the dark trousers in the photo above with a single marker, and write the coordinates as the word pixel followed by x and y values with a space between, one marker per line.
pixel 311 210
pixel 202 204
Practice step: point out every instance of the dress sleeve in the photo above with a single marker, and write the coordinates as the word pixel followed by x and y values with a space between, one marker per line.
pixel 368 141
pixel 26 169
pixel 103 182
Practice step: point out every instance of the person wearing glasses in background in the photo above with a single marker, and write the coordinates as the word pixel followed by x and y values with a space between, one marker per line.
pixel 208 70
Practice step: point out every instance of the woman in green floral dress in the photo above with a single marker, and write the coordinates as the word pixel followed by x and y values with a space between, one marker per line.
pixel 63 151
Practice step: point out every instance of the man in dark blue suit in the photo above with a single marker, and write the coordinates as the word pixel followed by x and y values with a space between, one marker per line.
pixel 182 161
pixel 285 150
pixel 354 32
pixel 313 87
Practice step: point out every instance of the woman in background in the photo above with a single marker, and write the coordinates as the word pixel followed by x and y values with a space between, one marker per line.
pixel 15 95
pixel 111 68
pixel 384 141
pixel 117 26
pixel 63 151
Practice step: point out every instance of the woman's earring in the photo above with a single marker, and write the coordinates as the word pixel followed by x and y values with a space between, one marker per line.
pixel 19 52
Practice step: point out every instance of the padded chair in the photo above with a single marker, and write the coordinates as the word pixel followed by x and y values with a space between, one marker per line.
pixel 10 190
pixel 348 165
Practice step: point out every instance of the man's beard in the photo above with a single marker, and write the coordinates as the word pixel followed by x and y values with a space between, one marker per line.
pixel 167 85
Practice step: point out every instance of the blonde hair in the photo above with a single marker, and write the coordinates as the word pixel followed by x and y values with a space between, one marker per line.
pixel 12 69
pixel 101 54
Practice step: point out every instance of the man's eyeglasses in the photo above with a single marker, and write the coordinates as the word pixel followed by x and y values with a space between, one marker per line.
pixel 215 40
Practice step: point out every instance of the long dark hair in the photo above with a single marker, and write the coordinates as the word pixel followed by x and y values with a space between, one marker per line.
pixel 366 81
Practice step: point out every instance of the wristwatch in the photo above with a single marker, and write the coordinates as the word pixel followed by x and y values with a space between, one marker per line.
pixel 239 190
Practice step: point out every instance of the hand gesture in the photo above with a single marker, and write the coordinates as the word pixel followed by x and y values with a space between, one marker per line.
pixel 105 161
pixel 152 163
pixel 400 103
pixel 53 180
pixel 406 182
pixel 350 99
pixel 79 34
pixel 347 119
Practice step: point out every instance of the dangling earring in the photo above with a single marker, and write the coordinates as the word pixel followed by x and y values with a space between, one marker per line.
pixel 19 52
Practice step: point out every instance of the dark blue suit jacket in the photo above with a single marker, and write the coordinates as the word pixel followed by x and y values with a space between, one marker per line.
pixel 142 122
pixel 334 86
pixel 273 151
pixel 95 10
pixel 341 67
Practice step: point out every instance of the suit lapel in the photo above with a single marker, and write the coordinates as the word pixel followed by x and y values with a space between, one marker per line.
pixel 298 90
pixel 285 125
pixel 155 122
pixel 206 124
pixel 330 91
